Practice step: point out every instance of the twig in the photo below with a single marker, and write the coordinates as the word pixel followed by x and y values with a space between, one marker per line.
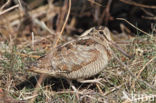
pixel 100 90
pixel 114 89
pixel 6 4
pixel 20 3
pixel 11 8
pixel 69 91
pixel 149 18
pixel 84 93
pixel 33 39
pixel 30 97
pixel 131 73
pixel 42 25
pixel 106 13
pixel 147 12
pixel 92 1
pixel 137 4
pixel 35 20
pixel 42 76
pixel 62 14
pixel 26 44
pixel 67 17
pixel 141 70
pixel 145 66
pixel 28 55
pixel 134 26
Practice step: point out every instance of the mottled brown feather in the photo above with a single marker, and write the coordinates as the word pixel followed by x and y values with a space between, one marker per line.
pixel 80 58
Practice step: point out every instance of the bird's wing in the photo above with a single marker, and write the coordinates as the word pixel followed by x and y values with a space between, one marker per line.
pixel 73 56
pixel 69 57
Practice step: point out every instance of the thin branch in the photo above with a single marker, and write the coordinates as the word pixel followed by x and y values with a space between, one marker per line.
pixel 145 66
pixel 67 17
pixel 96 3
pixel 6 4
pixel 43 76
pixel 137 4
pixel 147 12
pixel 132 74
pixel 149 18
pixel 114 89
pixel 9 9
pixel 134 26
pixel 42 25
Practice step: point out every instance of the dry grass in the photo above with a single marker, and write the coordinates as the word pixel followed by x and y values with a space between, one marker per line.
pixel 115 80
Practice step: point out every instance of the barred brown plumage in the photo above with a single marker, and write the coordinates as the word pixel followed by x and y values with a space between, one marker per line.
pixel 84 57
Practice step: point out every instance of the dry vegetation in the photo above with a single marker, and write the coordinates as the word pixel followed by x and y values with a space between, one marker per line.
pixel 29 29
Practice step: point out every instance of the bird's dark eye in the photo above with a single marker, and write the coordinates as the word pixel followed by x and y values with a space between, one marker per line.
pixel 101 32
